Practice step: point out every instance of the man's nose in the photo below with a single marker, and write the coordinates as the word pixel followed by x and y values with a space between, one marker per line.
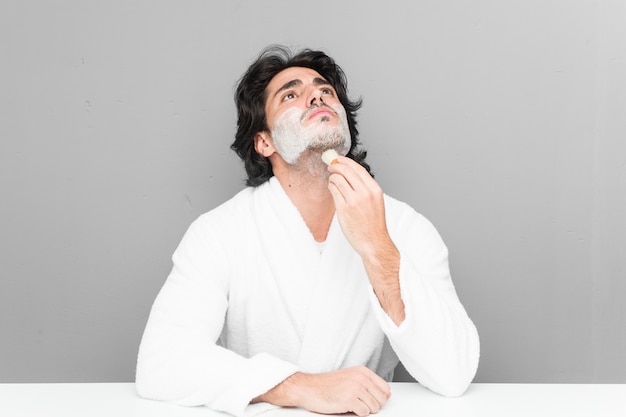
pixel 315 98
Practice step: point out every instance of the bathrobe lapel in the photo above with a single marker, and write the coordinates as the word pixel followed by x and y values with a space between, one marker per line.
pixel 339 306
pixel 324 294
pixel 289 255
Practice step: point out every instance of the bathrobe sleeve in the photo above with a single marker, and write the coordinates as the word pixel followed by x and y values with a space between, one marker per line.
pixel 437 342
pixel 179 360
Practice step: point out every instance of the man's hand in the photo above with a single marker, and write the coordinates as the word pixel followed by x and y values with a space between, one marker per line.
pixel 357 390
pixel 359 205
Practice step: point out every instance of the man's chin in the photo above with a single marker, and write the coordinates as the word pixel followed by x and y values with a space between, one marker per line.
pixel 341 147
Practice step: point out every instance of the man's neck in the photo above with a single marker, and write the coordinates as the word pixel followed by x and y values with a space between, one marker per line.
pixel 306 185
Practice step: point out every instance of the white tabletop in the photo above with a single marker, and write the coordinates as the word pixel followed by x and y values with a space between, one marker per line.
pixel 408 399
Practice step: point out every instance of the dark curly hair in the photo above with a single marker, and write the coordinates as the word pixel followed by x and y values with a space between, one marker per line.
pixel 251 95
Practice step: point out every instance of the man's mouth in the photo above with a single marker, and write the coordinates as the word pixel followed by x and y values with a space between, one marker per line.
pixel 318 110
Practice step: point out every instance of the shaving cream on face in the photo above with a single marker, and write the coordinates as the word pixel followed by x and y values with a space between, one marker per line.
pixel 291 138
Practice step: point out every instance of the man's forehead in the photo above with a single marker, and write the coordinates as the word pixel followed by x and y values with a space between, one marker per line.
pixel 294 76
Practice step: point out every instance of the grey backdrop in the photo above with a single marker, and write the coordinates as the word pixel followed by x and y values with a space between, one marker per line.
pixel 504 122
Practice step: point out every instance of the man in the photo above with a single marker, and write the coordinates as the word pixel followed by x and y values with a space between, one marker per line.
pixel 307 287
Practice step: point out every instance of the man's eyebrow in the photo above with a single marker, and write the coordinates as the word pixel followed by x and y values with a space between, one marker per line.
pixel 288 85
pixel 321 81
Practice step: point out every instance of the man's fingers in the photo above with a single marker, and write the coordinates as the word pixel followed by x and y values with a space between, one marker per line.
pixel 379 395
pixel 374 391
pixel 383 386
pixel 379 389
pixel 372 403
pixel 339 188
pixel 355 175
pixel 361 408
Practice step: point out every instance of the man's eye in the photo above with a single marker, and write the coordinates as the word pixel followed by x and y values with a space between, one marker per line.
pixel 327 91
pixel 289 96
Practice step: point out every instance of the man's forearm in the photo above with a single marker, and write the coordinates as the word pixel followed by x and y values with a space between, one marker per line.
pixel 383 270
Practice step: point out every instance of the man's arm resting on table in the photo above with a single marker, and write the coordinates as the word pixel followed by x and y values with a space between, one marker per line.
pixel 358 390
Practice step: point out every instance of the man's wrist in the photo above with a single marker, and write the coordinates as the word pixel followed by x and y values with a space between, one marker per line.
pixel 285 394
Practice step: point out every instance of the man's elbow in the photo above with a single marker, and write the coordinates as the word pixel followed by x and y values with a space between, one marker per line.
pixel 453 390
pixel 146 386
pixel 456 383
pixel 153 383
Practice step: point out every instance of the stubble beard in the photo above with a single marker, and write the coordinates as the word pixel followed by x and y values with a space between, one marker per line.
pixel 293 141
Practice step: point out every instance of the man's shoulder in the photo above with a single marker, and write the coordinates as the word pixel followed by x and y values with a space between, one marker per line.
pixel 228 209
pixel 399 207
pixel 402 214
pixel 236 209
pixel 220 229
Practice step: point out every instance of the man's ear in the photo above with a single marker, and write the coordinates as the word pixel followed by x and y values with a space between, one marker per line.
pixel 263 144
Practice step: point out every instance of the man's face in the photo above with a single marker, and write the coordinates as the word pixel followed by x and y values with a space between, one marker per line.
pixel 304 113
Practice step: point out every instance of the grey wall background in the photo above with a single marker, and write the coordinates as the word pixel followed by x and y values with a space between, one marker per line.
pixel 501 121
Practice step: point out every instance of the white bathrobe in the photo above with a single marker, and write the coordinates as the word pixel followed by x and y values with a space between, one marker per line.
pixel 253 298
